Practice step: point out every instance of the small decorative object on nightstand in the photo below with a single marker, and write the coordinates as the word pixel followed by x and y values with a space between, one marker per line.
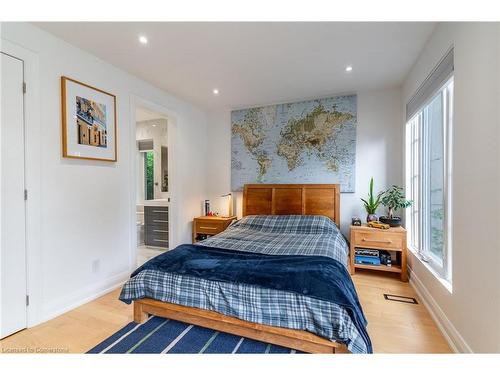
pixel 394 199
pixel 368 242
pixel 206 226
pixel 371 203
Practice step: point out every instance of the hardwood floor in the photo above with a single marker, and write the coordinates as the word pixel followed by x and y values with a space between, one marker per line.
pixel 394 327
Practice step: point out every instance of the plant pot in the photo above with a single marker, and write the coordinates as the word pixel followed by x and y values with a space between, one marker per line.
pixel 371 217
pixel 394 222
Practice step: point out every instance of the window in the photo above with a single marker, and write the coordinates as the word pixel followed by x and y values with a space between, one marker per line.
pixel 145 148
pixel 149 175
pixel 428 169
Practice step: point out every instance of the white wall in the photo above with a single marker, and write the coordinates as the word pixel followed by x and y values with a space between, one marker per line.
pixel 378 152
pixel 87 208
pixel 470 314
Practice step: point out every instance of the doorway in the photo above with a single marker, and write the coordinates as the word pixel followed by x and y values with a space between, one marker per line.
pixel 153 192
pixel 13 284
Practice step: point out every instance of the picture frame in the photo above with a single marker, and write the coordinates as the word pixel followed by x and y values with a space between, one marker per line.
pixel 88 122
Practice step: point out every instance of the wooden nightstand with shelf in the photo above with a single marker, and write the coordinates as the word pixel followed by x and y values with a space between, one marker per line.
pixel 392 240
pixel 210 225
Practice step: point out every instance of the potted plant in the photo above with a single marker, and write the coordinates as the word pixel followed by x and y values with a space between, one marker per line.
pixel 394 199
pixel 371 204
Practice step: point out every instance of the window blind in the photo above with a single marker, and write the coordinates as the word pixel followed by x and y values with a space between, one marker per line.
pixel 438 77
pixel 145 145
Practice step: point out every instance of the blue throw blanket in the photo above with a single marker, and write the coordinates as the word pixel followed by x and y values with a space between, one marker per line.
pixel 314 276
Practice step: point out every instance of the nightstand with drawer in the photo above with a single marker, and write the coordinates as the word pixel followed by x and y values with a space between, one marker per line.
pixel 210 225
pixel 392 240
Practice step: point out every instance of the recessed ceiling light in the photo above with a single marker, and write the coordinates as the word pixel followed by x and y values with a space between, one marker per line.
pixel 215 91
pixel 143 39
pixel 154 125
pixel 348 68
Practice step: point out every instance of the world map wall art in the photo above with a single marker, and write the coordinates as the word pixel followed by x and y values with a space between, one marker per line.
pixel 304 142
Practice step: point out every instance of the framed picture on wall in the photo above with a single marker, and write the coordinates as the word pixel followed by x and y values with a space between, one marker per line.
pixel 88 122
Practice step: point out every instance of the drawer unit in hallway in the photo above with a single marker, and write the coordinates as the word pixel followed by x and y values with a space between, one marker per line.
pixel 156 226
pixel 392 240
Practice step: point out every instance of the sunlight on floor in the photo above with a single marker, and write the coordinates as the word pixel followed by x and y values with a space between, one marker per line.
pixel 145 253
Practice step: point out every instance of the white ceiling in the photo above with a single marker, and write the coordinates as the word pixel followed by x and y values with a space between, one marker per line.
pixel 144 114
pixel 254 63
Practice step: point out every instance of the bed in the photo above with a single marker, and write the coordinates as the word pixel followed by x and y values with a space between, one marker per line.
pixel 278 275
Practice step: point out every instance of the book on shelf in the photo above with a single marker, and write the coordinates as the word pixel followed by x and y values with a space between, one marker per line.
pixel 201 237
pixel 363 259
pixel 367 252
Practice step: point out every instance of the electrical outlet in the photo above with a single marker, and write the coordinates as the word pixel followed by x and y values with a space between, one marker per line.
pixel 96 265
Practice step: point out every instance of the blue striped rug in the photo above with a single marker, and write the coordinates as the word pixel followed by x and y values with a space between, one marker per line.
pixel 159 335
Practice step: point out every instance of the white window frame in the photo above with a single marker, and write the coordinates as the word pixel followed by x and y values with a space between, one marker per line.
pixel 416 169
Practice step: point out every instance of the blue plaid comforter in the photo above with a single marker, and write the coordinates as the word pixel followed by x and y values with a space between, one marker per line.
pixel 275 235
pixel 283 235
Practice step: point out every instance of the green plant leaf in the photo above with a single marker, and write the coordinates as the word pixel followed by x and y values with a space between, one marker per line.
pixel 394 199
pixel 371 203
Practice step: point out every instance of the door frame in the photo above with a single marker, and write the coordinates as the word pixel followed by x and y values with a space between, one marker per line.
pixel 32 171
pixel 172 120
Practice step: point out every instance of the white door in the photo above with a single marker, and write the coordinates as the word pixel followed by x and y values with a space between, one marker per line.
pixel 13 242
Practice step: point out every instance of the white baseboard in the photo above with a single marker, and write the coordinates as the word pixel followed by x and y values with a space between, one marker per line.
pixel 450 333
pixel 63 305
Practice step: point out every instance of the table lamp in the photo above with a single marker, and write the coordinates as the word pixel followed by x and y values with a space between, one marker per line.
pixel 230 195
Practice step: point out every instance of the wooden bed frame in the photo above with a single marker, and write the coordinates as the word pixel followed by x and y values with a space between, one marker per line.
pixel 262 199
pixel 292 199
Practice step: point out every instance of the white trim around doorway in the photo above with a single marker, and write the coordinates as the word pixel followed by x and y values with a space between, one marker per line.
pixel 172 118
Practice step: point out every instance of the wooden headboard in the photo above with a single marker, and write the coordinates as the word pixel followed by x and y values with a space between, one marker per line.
pixel 292 199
